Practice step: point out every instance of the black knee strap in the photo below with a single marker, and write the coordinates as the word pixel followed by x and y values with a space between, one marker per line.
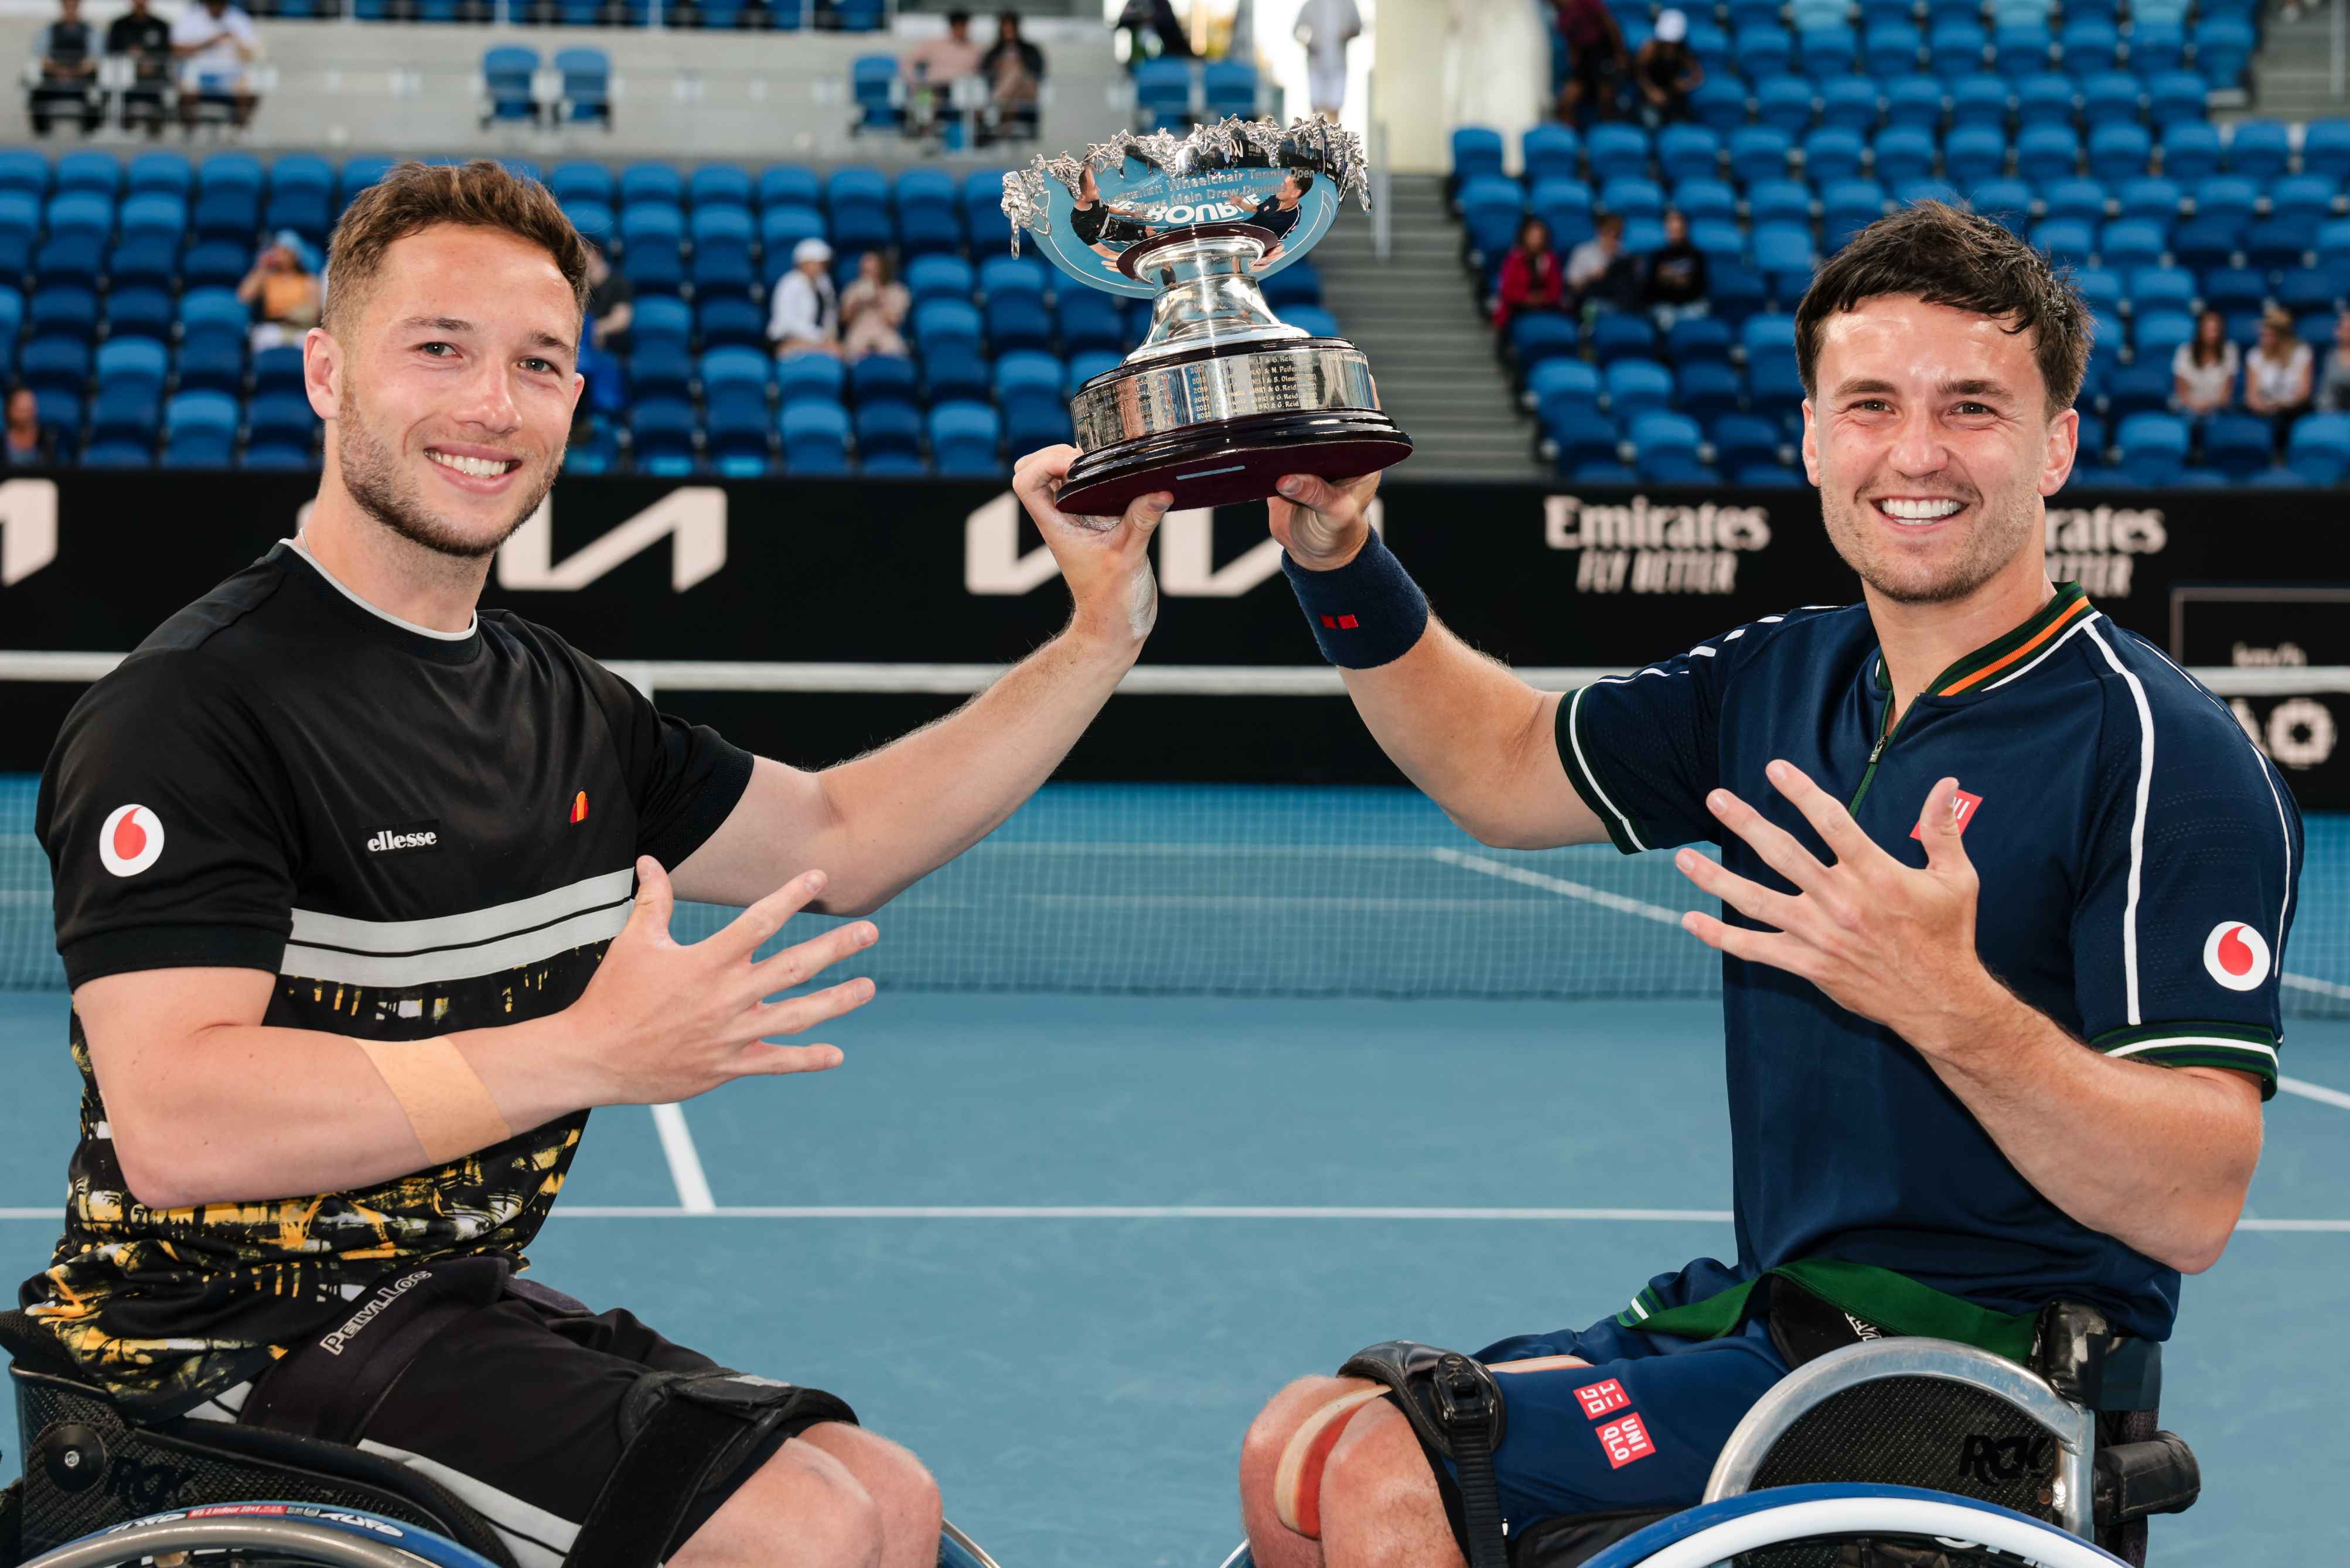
pixel 684 1430
pixel 1455 1409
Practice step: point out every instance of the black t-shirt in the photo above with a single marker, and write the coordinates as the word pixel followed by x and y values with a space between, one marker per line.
pixel 66 45
pixel 1675 275
pixel 148 38
pixel 417 834
pixel 1272 216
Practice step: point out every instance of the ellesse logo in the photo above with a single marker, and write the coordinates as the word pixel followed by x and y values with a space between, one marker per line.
pixel 425 835
pixel 129 841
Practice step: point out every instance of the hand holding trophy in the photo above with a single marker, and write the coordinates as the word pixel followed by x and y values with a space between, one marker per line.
pixel 1223 398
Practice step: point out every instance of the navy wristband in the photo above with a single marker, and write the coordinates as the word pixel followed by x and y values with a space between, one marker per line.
pixel 1366 613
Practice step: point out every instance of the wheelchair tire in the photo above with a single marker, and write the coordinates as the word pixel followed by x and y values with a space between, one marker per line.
pixel 1839 1514
pixel 277 1534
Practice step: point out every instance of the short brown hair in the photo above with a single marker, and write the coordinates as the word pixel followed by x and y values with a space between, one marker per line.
pixel 1945 255
pixel 413 197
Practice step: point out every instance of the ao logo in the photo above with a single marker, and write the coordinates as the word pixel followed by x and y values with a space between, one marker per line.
pixel 2236 956
pixel 992 561
pixel 131 840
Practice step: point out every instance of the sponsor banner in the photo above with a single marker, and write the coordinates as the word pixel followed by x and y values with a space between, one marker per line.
pixel 919 572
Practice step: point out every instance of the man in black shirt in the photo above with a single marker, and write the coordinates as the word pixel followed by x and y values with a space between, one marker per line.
pixel 1677 279
pixel 69 81
pixel 1278 212
pixel 331 843
pixel 146 38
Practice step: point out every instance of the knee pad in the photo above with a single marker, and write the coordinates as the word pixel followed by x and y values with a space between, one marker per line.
pixel 683 1431
pixel 1298 1479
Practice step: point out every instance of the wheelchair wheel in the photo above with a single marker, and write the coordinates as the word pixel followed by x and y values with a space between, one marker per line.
pixel 266 1535
pixel 1822 1526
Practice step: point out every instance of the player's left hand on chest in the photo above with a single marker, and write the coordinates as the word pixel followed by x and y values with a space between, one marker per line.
pixel 1891 942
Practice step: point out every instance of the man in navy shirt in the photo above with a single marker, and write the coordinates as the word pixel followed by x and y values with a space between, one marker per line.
pixel 2004 896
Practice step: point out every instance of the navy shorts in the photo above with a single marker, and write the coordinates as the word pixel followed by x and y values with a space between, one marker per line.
pixel 1639 1427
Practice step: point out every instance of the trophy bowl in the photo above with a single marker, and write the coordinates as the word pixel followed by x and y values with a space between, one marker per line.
pixel 1223 398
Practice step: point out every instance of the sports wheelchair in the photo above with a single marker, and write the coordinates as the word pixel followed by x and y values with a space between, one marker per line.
pixel 1900 1452
pixel 100 1490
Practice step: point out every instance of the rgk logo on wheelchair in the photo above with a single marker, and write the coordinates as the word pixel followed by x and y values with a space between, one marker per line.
pixel 1988 1461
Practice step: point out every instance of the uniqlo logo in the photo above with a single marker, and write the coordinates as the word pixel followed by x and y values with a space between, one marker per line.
pixel 1625 1441
pixel 1602 1398
pixel 1962 811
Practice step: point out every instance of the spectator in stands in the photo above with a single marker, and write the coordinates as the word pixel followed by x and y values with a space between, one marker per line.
pixel 1532 277
pixel 806 318
pixel 933 66
pixel 1014 70
pixel 611 307
pixel 1667 71
pixel 1602 275
pixel 215 43
pixel 1278 212
pixel 1326 27
pixel 2277 373
pixel 2203 369
pixel 282 292
pixel 29 443
pixel 1596 59
pixel 1677 275
pixel 872 308
pixel 145 39
pixel 69 81
pixel 1143 20
pixel 2333 385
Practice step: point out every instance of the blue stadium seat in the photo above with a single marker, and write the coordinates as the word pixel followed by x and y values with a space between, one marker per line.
pixel 730 321
pixel 1693 340
pixel 2119 151
pixel 719 185
pixel 228 197
pixel 2151 198
pixel 2203 244
pixel 2325 149
pixel 2258 150
pixel 2238 445
pixel 1567 205
pixel 1981 99
pixel 1913 102
pixel 939 277
pixel 889 428
pixel 206 412
pixel 1890 47
pixel 1711 204
pixel 817 378
pixel 946 323
pixel 2006 201
pixel 282 419
pixel 734 429
pixel 661 319
pixel 1973 154
pixel 2091 45
pixel 2157 44
pixel 1720 102
pixel 1632 197
pixel 1832 153
pixel 1785 254
pixel 1549 152
pixel 2150 449
pixel 2162 288
pixel 1956 47
pixel 1228 88
pixel 582 181
pixel 1618 336
pixel 126 413
pixel 1847 207
pixel 2157 332
pixel 1298 284
pixel 2045 99
pixel 1489 210
pixel 1090 322
pixel 1579 439
pixel 118 453
pixel 1826 50
pixel 789 185
pixel 930 213
pixel 1737 291
pixel 2190 153
pixel 1779 201
pixel 1162 95
pixel 2276 244
pixel 964 435
pixel 2226 195
pixel 2047 153
pixel 2318 449
pixel 1782 103
pixel 878 379
pixel 2306 197
pixel 816 437
pixel 1688 152
pixel 661 427
pixel 652 240
pixel 2111 97
pixel 1027 275
pixel 656 183
pixel 2127 243
pixel 301 197
pixel 1655 434
pixel 1709 389
pixel 131 312
pixel 1742 441
pixel 1637 386
pixel 735 370
pixel 91 171
pixel 508 85
pixel 2180 99
pixel 1017 320
pixel 24 171
pixel 1615 150
pixel 1476 153
pixel 660 367
pixel 2223 47
pixel 1759 152
pixel 1849 103
pixel 876 87
pixel 1764 49
pixel 2306 291
pixel 722 248
pixel 277 370
pixel 586 77
pixel 1904 152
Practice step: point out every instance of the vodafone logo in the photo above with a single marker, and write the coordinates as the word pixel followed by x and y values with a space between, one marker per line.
pixel 131 840
pixel 2236 955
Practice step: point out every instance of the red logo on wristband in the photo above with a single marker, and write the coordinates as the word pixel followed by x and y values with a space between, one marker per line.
pixel 1341 623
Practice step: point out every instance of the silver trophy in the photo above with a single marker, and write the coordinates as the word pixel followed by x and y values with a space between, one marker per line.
pixel 1223 398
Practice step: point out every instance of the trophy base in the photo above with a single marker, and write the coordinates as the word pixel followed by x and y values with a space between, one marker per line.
pixel 1224 463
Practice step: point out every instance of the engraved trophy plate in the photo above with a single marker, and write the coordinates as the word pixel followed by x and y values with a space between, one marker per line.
pixel 1223 398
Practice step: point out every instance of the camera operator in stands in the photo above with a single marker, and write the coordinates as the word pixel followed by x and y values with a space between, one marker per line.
pixel 215 43
pixel 68 73
pixel 145 39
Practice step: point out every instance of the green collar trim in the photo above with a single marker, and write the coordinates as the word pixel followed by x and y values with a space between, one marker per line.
pixel 2069 604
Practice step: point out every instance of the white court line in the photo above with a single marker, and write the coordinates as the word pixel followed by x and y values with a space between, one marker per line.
pixel 2323 987
pixel 2318 1092
pixel 685 1171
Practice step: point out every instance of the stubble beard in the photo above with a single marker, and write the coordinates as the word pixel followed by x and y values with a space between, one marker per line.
pixel 1990 545
pixel 384 488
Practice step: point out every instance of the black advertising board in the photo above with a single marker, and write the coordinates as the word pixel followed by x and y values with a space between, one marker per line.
pixel 929 573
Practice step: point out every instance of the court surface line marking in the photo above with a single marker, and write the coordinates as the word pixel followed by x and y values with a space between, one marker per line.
pixel 1167 1211
pixel 693 1195
pixel 1659 913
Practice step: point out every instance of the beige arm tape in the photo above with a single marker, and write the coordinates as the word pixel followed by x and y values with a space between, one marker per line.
pixel 448 1106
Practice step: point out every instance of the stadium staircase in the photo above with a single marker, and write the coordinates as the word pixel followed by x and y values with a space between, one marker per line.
pixel 1429 348
pixel 2293 75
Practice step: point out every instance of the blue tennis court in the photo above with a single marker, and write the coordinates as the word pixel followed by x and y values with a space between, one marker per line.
pixel 1064 1244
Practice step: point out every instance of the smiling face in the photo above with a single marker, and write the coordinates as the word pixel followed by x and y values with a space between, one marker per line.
pixel 1930 437
pixel 449 392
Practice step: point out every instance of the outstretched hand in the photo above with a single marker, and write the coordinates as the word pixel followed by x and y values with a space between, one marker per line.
pixel 1891 942
pixel 1105 560
pixel 1321 525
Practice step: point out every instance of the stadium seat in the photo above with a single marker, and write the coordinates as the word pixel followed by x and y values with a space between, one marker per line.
pixel 2128 243
pixel 814 438
pixel 1615 150
pixel 1476 153
pixel 2238 445
pixel 2223 47
pixel 277 370
pixel 878 379
pixel 652 237
pixel 1637 386
pixel 2150 449
pixel 1890 47
pixel 1632 198
pixel 1973 154
pixel 508 85
pixel 2139 388
pixel 930 215
pixel 1982 100
pixel 131 312
pixel 301 197
pixel 1742 441
pixel 2047 153
pixel 1228 88
pixel 722 249
pixel 964 436
pixel 119 453
pixel 228 197
pixel 1539 336
pixel 1904 152
pixel 1720 102
pixel 1489 210
pixel 1017 320
pixel 2318 449
pixel 661 427
pixel 2111 97
pixel 1828 50
pixel 1783 104
pixel 2119 151
pixel 24 171
pixel 1298 283
pixel 282 419
pixel 2326 150
pixel 1832 153
pixel 2007 202
pixel 2258 150
pixel 2278 244
pixel 93 173
pixel 63 310
pixel 2157 44
pixel 1687 151
pixel 1089 322
pixel 929 278
pixel 1549 152
pixel 789 185
pixel 2150 197
pixel 2090 44
pixel 1759 152
pixel 719 185
pixel 586 91
pixel 1849 103
pixel 1162 95
pixel 1708 388
pixel 582 181
pixel 2045 99
pixel 1913 103
pixel 1956 47
pixel 1567 205
pixel 1618 336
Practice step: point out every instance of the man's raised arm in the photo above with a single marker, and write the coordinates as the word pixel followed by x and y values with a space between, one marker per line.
pixel 888 819
pixel 1477 740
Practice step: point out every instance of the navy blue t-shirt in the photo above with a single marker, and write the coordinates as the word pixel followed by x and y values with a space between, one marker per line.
pixel 2137 855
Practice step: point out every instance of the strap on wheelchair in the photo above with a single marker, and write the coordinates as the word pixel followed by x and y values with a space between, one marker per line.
pixel 684 1431
pixel 1455 1409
